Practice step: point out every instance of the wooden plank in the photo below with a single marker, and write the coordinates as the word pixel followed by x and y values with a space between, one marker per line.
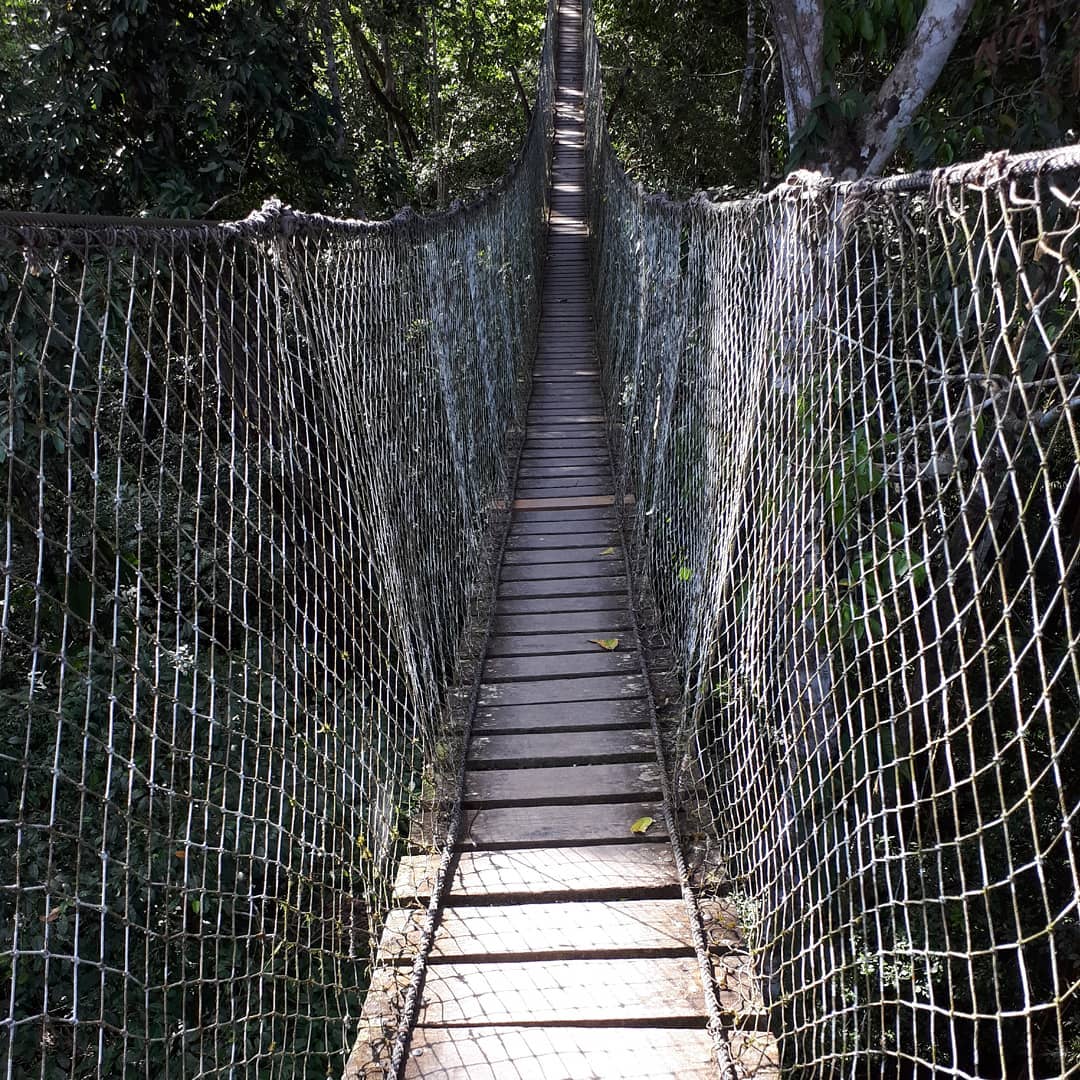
pixel 561 1053
pixel 562 412
pixel 582 716
pixel 570 873
pixel 553 471
pixel 553 644
pixel 582 747
pixel 528 931
pixel 576 523
pixel 609 554
pixel 539 455
pixel 593 585
pixel 526 540
pixel 574 489
pixel 550 605
pixel 539 441
pixel 545 826
pixel 565 518
pixel 563 991
pixel 559 665
pixel 569 402
pixel 582 689
pixel 596 622
pixel 595 568
pixel 567 783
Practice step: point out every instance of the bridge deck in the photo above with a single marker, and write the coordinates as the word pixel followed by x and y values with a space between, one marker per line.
pixel 564 949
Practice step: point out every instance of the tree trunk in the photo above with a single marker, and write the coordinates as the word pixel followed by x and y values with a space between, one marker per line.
pixel 326 27
pixel 911 80
pixel 746 91
pixel 368 63
pixel 800 32
pixel 799 26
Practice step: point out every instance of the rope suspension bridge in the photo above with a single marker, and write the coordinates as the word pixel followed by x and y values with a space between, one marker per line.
pixel 578 634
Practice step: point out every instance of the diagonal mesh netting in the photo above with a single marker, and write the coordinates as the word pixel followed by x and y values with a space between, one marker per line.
pixel 848 416
pixel 249 475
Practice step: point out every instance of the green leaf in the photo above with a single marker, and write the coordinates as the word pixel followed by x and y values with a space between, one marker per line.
pixel 642 825
pixel 608 643
pixel 866 25
pixel 608 551
pixel 685 573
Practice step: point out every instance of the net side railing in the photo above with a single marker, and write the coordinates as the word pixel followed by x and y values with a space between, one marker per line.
pixel 848 417
pixel 250 472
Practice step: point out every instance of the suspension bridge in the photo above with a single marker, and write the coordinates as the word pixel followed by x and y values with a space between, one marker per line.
pixel 578 634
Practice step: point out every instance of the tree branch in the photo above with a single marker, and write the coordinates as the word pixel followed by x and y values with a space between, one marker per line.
pixel 911 80
pixel 522 96
pixel 367 57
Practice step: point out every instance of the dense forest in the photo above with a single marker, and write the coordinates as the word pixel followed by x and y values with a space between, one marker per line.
pixel 205 108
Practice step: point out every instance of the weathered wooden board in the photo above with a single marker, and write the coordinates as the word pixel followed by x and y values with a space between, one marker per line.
pixel 565 784
pixel 596 622
pixel 560 665
pixel 530 931
pixel 565 375
pixel 570 873
pixel 563 991
pixel 538 456
pixel 578 488
pixel 541 605
pixel 547 516
pixel 561 748
pixel 545 826
pixel 585 688
pixel 608 554
pixel 561 1053
pixel 571 523
pixel 554 644
pixel 564 502
pixel 553 472
pixel 576 716
pixel 595 567
pixel 563 586
pixel 524 541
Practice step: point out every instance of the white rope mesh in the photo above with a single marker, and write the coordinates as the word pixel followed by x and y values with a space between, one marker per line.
pixel 248 474
pixel 848 417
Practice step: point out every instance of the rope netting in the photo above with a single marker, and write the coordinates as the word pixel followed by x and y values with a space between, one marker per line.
pixel 250 475
pixel 848 417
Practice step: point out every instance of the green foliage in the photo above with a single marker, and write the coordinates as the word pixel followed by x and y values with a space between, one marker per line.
pixel 1013 82
pixel 130 106
pixel 676 124
pixel 195 108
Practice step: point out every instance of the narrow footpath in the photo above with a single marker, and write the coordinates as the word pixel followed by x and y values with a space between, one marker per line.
pixel 564 948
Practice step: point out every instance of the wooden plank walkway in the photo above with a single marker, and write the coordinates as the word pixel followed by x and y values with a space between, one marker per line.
pixel 564 948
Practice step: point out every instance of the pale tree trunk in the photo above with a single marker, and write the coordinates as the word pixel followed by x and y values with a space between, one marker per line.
pixel 799 28
pixel 746 91
pixel 800 33
pixel 909 82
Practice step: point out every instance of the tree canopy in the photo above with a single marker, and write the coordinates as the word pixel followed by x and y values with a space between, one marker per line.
pixel 206 107
pixel 705 98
